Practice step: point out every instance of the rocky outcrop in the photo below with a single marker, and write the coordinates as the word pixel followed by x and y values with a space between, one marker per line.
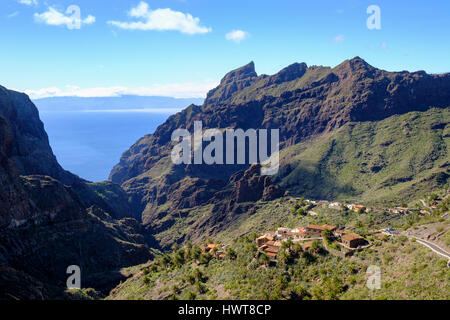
pixel 252 187
pixel 232 82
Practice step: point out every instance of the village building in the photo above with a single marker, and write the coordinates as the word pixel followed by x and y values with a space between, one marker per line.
pixel 334 205
pixel 316 231
pixel 329 227
pixel 358 207
pixel 281 233
pixel 271 255
pixel 271 250
pixel 270 233
pixel 352 240
pixel 300 233
pixel 400 210
pixel 276 245
pixel 262 240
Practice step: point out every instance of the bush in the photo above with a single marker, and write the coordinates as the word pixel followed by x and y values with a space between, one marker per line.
pixel 191 296
pixel 175 289
pixel 201 289
pixel 146 279
pixel 231 254
pixel 190 279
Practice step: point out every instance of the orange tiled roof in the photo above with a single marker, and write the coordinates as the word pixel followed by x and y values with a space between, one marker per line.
pixel 322 227
pixel 314 227
pixel 271 250
pixel 266 237
pixel 273 243
pixel 271 255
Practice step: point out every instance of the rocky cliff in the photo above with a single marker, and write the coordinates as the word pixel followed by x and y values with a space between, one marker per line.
pixel 50 218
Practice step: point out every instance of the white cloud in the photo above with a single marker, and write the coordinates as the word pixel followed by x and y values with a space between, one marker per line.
pixel 161 20
pixel 28 2
pixel 176 90
pixel 237 36
pixel 53 17
pixel 89 19
pixel 338 39
pixel 12 15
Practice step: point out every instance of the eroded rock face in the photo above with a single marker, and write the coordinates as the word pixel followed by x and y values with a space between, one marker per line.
pixel 252 187
pixel 29 148
pixel 50 218
pixel 300 101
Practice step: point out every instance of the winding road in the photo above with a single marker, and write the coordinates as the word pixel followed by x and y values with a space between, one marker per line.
pixel 433 247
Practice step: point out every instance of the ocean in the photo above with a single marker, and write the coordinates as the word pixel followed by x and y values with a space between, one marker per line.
pixel 90 143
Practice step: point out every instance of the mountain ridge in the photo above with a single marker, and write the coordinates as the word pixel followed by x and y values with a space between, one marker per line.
pixel 302 102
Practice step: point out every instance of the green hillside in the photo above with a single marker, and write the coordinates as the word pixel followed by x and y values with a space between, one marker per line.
pixel 393 160
pixel 409 271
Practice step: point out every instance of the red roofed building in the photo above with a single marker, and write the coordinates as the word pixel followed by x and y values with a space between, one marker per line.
pixel 263 240
pixel 352 240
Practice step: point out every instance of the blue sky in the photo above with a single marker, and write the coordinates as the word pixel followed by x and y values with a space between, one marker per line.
pixel 184 50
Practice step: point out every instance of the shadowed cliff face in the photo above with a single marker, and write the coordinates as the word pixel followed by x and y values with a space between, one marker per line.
pixel 29 149
pixel 28 152
pixel 50 218
pixel 302 102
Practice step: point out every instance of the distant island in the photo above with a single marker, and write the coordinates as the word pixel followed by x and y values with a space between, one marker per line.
pixel 110 103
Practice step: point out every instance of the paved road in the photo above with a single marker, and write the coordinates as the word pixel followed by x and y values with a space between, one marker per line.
pixel 434 247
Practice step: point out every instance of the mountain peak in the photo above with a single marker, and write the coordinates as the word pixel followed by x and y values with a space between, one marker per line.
pixel 350 66
pixel 233 81
pixel 242 73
